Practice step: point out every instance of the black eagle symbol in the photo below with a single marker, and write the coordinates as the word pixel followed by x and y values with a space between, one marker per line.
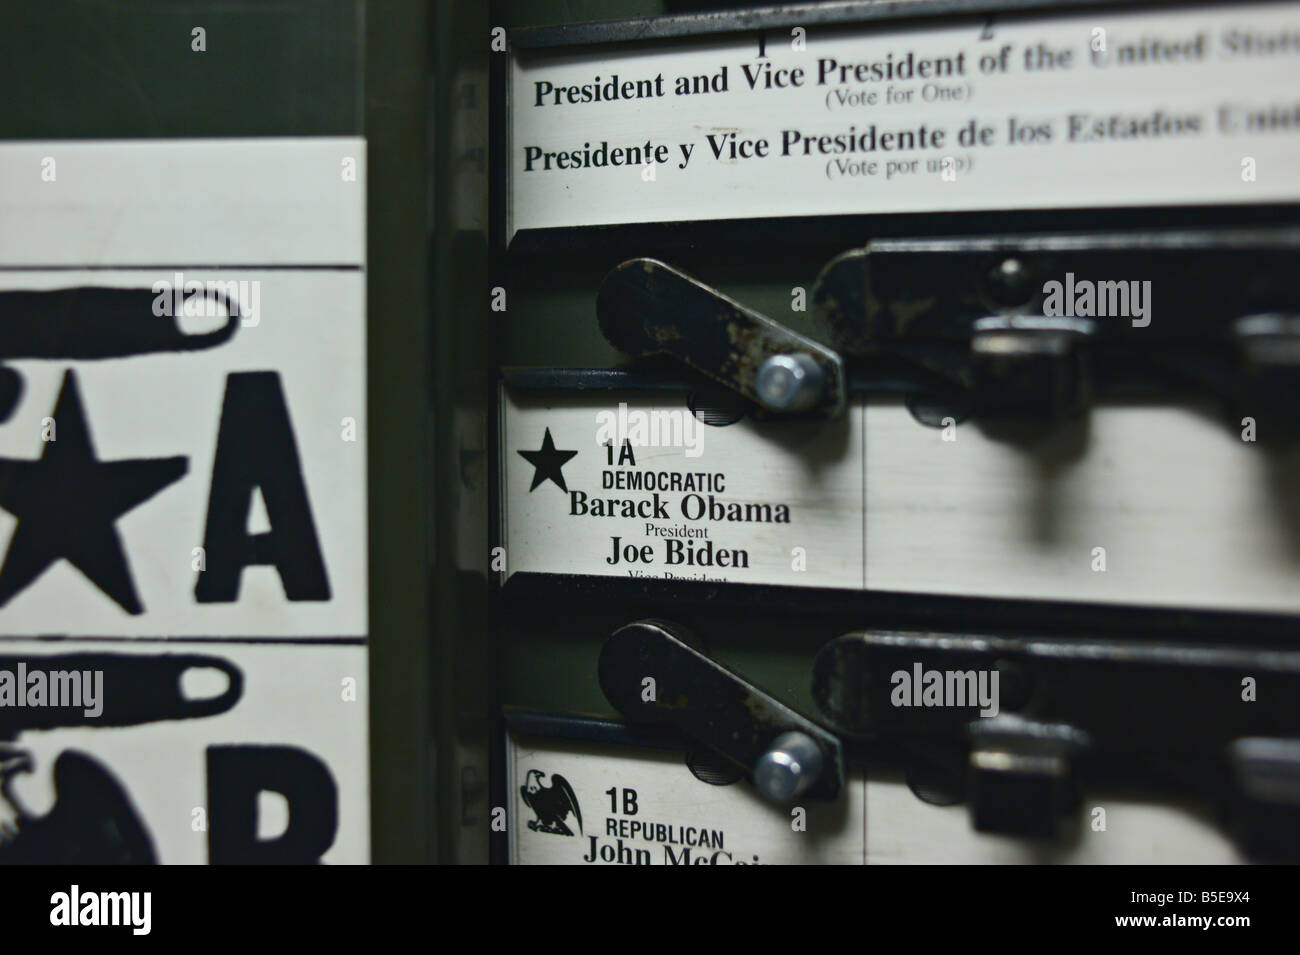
pixel 552 803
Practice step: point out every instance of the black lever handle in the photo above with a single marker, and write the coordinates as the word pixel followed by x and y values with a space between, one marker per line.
pixel 651 672
pixel 646 308
pixel 1025 723
pixel 1037 327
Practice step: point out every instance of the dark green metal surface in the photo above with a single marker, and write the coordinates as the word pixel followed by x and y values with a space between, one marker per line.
pixel 126 68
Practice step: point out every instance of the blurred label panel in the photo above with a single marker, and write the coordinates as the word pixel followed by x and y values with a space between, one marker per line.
pixel 182 389
pixel 184 753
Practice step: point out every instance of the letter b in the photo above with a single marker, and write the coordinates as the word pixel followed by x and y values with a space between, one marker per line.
pixel 237 774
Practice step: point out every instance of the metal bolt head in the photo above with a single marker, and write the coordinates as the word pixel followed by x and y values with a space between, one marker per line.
pixel 1010 283
pixel 789 768
pixel 789 382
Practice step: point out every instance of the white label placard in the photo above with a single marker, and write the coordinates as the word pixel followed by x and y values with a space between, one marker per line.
pixel 903 830
pixel 637 486
pixel 274 772
pixel 183 455
pixel 578 803
pixel 1139 504
pixel 1103 108
pixel 1142 505
pixel 182 443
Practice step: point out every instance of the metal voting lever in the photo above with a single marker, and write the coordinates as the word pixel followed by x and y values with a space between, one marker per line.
pixel 1017 727
pixel 1037 326
pixel 650 671
pixel 646 307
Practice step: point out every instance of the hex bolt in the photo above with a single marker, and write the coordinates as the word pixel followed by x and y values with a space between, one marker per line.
pixel 789 768
pixel 792 382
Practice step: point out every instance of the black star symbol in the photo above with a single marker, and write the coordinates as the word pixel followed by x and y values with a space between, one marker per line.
pixel 66 503
pixel 547 463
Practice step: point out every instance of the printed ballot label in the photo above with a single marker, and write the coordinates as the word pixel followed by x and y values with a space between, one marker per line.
pixel 641 487
pixel 1104 108
pixel 578 803
pixel 1157 506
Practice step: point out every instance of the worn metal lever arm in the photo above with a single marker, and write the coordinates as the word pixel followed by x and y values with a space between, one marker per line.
pixel 646 307
pixel 651 672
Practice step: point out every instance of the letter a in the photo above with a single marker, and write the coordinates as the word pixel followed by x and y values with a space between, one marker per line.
pixel 256 449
